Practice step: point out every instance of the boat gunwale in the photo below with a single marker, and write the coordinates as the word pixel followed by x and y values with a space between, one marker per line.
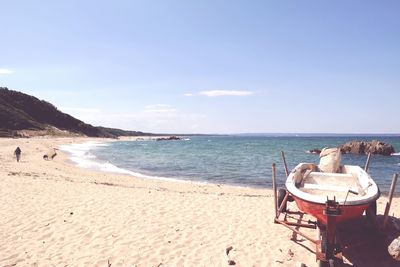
pixel 315 199
pixel 348 204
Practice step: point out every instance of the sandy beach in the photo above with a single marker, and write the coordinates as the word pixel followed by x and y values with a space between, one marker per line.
pixel 55 214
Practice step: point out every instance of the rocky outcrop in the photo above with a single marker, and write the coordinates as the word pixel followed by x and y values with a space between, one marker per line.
pixel 314 151
pixel 168 138
pixel 373 147
pixel 362 147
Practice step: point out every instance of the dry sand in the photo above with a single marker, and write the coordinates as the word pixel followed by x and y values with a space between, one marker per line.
pixel 55 214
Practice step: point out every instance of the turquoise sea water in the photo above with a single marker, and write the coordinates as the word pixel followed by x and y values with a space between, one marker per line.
pixel 237 160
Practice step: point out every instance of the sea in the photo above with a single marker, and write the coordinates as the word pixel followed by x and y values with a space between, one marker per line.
pixel 243 160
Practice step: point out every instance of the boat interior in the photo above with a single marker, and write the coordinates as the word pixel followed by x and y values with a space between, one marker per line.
pixel 351 183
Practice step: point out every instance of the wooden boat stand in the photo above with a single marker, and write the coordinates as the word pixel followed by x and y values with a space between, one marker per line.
pixel 326 249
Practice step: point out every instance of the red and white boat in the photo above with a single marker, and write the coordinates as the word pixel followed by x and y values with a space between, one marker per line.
pixel 352 187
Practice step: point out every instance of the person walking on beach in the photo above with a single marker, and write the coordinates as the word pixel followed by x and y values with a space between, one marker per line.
pixel 17 153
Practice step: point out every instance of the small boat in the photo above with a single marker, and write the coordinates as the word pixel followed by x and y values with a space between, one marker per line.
pixel 329 192
pixel 352 188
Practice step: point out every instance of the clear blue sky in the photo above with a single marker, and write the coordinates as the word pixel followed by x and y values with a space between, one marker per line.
pixel 209 66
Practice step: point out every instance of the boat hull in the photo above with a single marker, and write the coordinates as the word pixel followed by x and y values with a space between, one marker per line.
pixel 317 210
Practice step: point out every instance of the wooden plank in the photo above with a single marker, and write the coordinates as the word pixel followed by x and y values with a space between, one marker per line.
pixel 288 225
pixel 284 202
pixel 389 203
pixel 282 216
pixel 284 164
pixel 327 187
pixel 367 162
pixel 274 188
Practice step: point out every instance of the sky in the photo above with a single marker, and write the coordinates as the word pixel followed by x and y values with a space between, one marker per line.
pixel 209 66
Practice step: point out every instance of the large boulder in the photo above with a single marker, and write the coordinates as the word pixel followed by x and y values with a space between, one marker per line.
pixel 394 249
pixel 171 138
pixel 353 147
pixel 373 147
pixel 378 147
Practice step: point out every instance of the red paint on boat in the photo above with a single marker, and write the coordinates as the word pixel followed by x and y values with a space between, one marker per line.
pixel 317 210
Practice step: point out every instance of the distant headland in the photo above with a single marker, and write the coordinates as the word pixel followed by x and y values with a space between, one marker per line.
pixel 23 115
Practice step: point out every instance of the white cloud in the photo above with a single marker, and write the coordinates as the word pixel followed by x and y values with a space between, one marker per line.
pixel 83 110
pixel 151 118
pixel 156 106
pixel 159 108
pixel 158 118
pixel 214 93
pixel 84 114
pixel 188 94
pixel 5 71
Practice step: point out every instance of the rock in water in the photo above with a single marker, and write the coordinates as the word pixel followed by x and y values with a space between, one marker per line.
pixel 353 147
pixel 378 147
pixel 314 151
pixel 373 147
pixel 168 138
pixel 394 249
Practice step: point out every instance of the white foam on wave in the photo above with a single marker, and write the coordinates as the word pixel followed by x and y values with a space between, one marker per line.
pixel 80 153
pixel 396 154
pixel 81 156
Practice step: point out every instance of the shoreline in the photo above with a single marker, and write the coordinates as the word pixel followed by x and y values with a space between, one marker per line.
pixel 135 174
pixel 117 170
pixel 55 214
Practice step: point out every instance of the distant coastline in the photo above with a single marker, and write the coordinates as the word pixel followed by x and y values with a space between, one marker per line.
pixel 321 134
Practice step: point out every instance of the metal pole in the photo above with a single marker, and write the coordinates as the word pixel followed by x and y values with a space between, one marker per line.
pixel 389 203
pixel 274 188
pixel 367 163
pixel 284 164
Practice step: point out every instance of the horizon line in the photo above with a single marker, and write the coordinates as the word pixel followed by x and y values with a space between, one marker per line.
pixel 286 133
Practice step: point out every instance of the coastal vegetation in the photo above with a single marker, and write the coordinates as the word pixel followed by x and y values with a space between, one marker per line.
pixel 23 115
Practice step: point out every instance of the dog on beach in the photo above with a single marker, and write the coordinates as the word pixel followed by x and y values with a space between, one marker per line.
pixel 52 155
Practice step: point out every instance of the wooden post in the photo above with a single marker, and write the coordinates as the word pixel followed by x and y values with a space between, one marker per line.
pixel 389 203
pixel 284 164
pixel 274 188
pixel 367 163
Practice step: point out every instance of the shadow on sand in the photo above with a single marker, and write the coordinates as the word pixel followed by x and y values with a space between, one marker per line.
pixel 364 245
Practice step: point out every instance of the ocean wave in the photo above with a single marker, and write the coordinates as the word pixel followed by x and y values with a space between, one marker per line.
pixel 80 155
pixel 74 148
pixel 396 154
pixel 312 152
